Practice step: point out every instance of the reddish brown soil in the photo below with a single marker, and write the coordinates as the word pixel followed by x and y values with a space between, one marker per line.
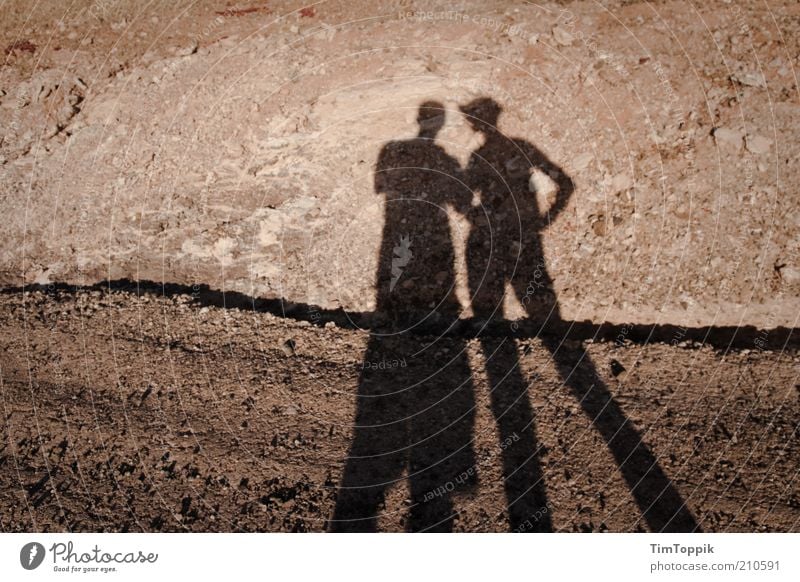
pixel 155 414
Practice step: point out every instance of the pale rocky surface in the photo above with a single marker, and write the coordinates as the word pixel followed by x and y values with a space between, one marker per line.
pixel 234 147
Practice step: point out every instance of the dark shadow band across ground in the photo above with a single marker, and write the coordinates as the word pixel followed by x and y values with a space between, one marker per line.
pixel 201 295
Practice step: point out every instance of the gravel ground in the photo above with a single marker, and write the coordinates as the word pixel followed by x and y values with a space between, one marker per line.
pixel 144 413
pixel 612 347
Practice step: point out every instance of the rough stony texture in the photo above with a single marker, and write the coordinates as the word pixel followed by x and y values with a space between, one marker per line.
pixel 234 145
pixel 152 414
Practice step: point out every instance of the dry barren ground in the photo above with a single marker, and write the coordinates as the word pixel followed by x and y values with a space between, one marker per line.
pixel 146 413
pixel 228 149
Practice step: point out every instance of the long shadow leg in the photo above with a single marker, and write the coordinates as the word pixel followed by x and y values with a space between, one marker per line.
pixel 368 473
pixel 378 453
pixel 431 504
pixel 442 459
pixel 661 504
pixel 524 483
pixel 363 486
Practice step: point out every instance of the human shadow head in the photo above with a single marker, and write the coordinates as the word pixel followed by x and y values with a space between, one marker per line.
pixel 417 421
pixel 430 118
pixel 482 114
pixel 413 421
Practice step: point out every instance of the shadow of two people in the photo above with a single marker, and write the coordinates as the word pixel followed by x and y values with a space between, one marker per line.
pixel 416 403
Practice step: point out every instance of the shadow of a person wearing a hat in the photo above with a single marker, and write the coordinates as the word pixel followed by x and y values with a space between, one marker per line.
pixel 505 249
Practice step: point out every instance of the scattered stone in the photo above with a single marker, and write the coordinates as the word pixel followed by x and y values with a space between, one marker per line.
pixel 758 144
pixel 621 182
pixel 187 50
pixel 728 138
pixel 751 79
pixel 682 211
pixel 288 347
pixel 582 161
pixel 790 275
pixel 616 368
pixel 562 36
pixel 599 225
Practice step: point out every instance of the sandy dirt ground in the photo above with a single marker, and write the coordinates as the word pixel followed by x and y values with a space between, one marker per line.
pixel 230 150
pixel 128 413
